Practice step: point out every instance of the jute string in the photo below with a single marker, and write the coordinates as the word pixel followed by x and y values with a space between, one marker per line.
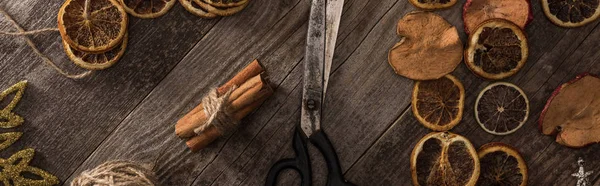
pixel 216 108
pixel 116 173
pixel 21 32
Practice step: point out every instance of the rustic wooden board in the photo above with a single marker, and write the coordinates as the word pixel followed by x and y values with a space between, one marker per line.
pixel 128 111
pixel 65 119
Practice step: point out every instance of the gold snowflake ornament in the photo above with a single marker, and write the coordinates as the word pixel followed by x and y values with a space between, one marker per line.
pixel 16 170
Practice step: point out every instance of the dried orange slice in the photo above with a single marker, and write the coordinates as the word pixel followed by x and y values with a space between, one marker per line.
pixel 97 61
pixel 433 4
pixel 501 108
pixel 221 11
pixel 443 158
pixel 501 164
pixel 438 104
pixel 497 49
pixel 429 47
pixel 476 12
pixel 93 26
pixel 196 10
pixel 571 13
pixel 147 8
pixel 226 3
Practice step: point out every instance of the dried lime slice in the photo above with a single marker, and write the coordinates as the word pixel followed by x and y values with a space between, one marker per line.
pixel 501 108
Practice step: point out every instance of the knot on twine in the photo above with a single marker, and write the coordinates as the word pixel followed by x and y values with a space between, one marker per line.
pixel 117 173
pixel 219 116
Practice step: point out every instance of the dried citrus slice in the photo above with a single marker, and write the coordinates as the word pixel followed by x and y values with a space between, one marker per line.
pixel 92 25
pixel 196 10
pixel 433 4
pixel 147 8
pixel 476 12
pixel 572 112
pixel 226 3
pixel 438 104
pixel 497 49
pixel 221 11
pixel 429 47
pixel 501 164
pixel 443 158
pixel 97 61
pixel 501 108
pixel 571 13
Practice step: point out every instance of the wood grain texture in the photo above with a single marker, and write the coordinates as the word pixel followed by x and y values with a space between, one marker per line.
pixel 129 111
pixel 556 55
pixel 65 120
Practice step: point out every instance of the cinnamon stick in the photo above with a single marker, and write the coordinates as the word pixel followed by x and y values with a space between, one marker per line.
pixel 186 125
pixel 239 98
pixel 211 133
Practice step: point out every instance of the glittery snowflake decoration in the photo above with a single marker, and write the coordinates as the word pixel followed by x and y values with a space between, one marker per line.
pixel 582 176
pixel 16 170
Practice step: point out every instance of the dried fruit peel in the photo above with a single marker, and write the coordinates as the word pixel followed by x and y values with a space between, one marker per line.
pixel 429 49
pixel 573 112
pixel 447 157
pixel 476 12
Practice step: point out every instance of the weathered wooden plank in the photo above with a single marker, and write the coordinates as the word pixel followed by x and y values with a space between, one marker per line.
pixel 65 119
pixel 261 31
pixel 556 55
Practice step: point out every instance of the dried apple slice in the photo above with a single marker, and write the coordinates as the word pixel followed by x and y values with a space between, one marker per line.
pixel 444 158
pixel 147 8
pixel 476 12
pixel 573 112
pixel 571 13
pixel 429 47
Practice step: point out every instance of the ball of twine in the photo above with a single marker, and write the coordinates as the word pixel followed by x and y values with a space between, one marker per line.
pixel 116 173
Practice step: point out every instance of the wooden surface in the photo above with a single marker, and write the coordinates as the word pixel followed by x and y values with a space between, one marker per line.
pixel 129 110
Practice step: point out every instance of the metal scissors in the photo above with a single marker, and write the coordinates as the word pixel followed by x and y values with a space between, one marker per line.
pixel 323 27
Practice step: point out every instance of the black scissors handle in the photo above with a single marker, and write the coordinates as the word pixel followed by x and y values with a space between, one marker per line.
pixel 335 176
pixel 301 163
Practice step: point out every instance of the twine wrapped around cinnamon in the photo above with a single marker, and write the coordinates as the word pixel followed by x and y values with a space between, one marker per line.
pixel 223 108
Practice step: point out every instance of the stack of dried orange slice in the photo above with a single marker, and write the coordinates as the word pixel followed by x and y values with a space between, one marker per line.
pixel 94 32
pixel 214 8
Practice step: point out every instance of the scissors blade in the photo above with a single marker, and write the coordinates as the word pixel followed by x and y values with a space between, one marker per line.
pixel 334 15
pixel 314 60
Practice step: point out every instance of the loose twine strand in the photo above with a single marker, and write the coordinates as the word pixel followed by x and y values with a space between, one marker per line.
pixel 117 173
pixel 219 116
pixel 24 34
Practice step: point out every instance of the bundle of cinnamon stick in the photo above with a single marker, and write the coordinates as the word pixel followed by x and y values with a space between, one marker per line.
pixel 245 92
